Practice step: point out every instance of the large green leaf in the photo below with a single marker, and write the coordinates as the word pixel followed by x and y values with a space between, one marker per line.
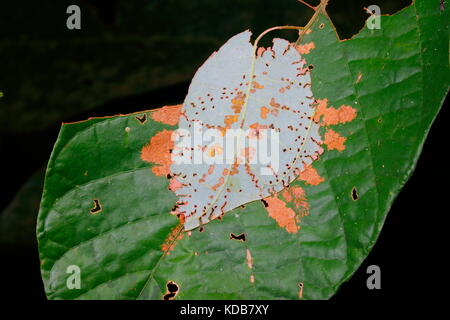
pixel 395 77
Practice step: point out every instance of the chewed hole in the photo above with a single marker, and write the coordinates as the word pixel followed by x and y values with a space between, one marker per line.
pixel 264 203
pixel 321 26
pixel 172 290
pixel 97 207
pixel 169 296
pixel 172 287
pixel 142 118
pixel 239 237
pixel 355 195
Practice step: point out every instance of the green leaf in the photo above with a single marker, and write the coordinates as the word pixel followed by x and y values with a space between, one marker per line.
pixel 108 212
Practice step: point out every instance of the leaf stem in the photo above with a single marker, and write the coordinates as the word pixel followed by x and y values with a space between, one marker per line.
pixel 307 4
pixel 318 9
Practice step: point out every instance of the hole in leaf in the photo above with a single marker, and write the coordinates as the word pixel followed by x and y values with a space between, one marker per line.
pixel 172 287
pixel 97 207
pixel 355 195
pixel 265 203
pixel 172 290
pixel 239 237
pixel 169 296
pixel 142 119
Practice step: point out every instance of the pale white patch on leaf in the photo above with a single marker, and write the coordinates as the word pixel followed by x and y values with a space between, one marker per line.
pixel 237 88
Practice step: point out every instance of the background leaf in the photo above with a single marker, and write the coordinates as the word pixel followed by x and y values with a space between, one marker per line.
pixel 18 220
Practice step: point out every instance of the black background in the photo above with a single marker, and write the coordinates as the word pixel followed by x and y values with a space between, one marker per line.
pixel 410 250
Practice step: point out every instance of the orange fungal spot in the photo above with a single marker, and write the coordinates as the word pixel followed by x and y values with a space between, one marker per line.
pixel 158 152
pixel 218 184
pixel 167 114
pixel 311 176
pixel 264 112
pixel 256 85
pixel 174 184
pixel 284 216
pixel 175 235
pixel 332 116
pixel 305 48
pixel 260 51
pixel 229 120
pixel 334 140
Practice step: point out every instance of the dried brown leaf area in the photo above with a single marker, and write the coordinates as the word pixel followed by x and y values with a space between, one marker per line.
pixel 253 89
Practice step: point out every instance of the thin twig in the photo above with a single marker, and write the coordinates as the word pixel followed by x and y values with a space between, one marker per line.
pixel 318 9
pixel 307 4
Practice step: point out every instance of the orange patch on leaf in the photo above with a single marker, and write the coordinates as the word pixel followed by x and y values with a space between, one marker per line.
pixel 332 116
pixel 256 85
pixel 158 152
pixel 334 140
pixel 273 103
pixel 255 131
pixel 229 120
pixel 167 115
pixel 311 176
pixel 297 196
pixel 238 102
pixel 174 184
pixel 305 48
pixel 218 184
pixel 175 235
pixel 284 216
pixel 264 112
pixel 286 195
pixel 260 51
